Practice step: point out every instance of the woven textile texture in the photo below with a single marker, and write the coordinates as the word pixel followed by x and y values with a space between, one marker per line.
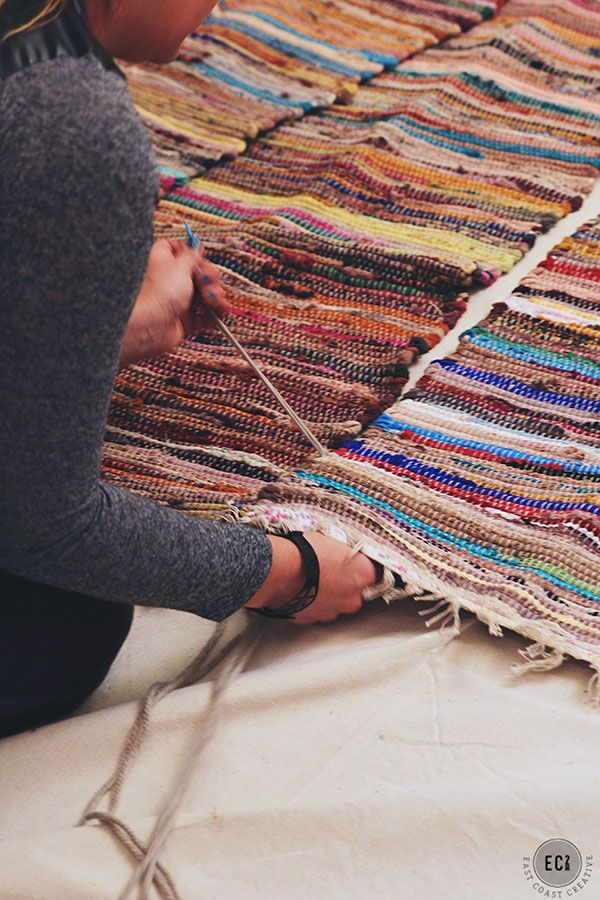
pixel 483 483
pixel 347 242
pixel 255 63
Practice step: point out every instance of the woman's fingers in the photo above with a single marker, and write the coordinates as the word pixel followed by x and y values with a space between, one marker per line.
pixel 181 248
pixel 207 281
pixel 205 276
pixel 205 293
pixel 343 579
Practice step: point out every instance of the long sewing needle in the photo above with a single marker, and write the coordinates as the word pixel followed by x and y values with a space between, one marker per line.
pixel 195 242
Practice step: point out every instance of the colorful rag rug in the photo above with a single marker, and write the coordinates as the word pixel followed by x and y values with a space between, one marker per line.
pixel 255 63
pixel 483 483
pixel 347 242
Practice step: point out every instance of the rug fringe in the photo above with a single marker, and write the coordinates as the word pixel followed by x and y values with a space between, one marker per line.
pixel 450 614
pixel 538 659
pixel 539 656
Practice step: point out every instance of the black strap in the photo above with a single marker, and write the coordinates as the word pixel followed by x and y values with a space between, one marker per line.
pixel 309 592
pixel 66 35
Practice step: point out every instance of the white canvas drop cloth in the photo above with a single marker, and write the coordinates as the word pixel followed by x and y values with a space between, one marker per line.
pixel 364 758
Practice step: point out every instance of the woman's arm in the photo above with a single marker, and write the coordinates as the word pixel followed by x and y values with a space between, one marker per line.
pixel 76 210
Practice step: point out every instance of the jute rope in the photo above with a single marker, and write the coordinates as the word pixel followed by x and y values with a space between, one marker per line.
pixel 148 871
pixel 233 655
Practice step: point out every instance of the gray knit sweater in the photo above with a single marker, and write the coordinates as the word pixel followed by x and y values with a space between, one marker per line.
pixel 78 186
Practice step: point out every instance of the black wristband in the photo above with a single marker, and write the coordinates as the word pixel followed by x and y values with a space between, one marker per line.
pixel 309 592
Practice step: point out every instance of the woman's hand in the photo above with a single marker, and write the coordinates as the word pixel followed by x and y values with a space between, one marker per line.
pixel 342 580
pixel 179 287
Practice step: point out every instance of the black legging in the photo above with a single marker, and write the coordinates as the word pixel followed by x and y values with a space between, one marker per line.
pixel 56 648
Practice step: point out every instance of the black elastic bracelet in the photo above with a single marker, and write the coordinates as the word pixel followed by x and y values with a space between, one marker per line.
pixel 309 592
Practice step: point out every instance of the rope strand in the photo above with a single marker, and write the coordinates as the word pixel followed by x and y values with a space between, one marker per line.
pixel 149 871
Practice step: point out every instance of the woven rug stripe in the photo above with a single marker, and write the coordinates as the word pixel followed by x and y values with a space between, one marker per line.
pixel 347 244
pixel 482 484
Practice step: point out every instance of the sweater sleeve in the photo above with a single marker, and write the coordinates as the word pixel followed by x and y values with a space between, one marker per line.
pixel 77 193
